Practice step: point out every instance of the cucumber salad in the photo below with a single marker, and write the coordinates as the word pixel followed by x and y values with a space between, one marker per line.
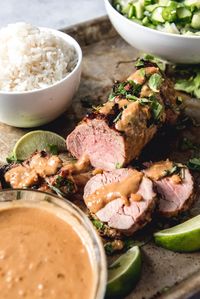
pixel 177 17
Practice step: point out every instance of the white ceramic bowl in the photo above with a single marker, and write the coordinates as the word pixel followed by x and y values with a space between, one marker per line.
pixel 172 47
pixel 37 107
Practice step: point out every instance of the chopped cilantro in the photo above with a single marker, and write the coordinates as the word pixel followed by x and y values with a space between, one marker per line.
pixel 98 224
pixel 176 169
pixel 109 248
pixel 53 149
pixel 157 108
pixel 118 165
pixel 11 159
pixel 155 82
pixel 194 164
pixel 64 182
pixel 187 144
pixel 123 89
pixel 117 117
pixel 142 72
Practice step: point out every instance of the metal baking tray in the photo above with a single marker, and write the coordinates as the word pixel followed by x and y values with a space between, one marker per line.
pixel 106 58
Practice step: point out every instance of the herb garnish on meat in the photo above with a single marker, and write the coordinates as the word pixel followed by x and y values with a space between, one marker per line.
pixel 178 169
pixel 64 182
pixel 124 89
pixel 194 164
pixel 155 82
pixel 53 149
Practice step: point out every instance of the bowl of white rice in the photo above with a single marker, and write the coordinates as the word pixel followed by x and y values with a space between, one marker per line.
pixel 40 73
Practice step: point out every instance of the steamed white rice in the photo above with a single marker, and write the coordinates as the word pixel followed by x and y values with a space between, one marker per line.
pixel 31 58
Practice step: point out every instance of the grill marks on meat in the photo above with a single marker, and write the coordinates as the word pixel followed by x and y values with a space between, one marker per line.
pixel 117 132
pixel 174 186
pixel 118 215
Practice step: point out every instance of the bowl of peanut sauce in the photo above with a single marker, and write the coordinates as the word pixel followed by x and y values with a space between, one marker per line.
pixel 48 249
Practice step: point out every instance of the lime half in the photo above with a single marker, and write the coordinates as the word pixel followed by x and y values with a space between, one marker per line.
pixel 124 273
pixel 38 140
pixel 184 237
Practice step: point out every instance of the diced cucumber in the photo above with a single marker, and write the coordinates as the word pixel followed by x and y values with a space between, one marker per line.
pixel 172 4
pixel 169 14
pixel 136 20
pixel 145 21
pixel 171 28
pixel 192 3
pixel 139 10
pixel 151 8
pixel 157 15
pixel 183 13
pixel 148 2
pixel 131 11
pixel 196 20
pixel 163 2
pixel 125 9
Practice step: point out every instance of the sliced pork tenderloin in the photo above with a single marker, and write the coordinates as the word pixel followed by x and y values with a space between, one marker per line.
pixel 116 133
pixel 174 185
pixel 127 218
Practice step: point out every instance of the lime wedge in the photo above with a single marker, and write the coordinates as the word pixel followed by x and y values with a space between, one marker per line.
pixel 184 237
pixel 38 140
pixel 124 273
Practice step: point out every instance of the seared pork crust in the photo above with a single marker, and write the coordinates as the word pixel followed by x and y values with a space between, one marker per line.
pixel 116 133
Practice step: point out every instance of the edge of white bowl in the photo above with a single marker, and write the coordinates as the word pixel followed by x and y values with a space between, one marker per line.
pixel 68 39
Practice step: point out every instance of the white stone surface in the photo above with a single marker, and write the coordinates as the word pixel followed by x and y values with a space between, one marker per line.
pixel 50 13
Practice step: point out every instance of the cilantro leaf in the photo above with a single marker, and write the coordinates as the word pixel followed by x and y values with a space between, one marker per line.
pixel 53 149
pixel 155 82
pixel 194 164
pixel 98 224
pixel 11 159
pixel 118 165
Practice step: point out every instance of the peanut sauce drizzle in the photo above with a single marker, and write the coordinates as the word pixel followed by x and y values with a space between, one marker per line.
pixel 138 78
pixel 123 189
pixel 82 165
pixel 158 170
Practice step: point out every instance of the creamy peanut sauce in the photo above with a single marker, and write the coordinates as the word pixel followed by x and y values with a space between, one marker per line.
pixel 26 175
pixel 158 170
pixel 41 256
pixel 78 167
pixel 21 176
pixel 138 78
pixel 176 179
pixel 45 166
pixel 146 91
pixel 123 189
pixel 127 118
pixel 107 107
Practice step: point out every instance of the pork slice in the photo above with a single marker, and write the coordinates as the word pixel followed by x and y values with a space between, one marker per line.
pixel 175 198
pixel 116 214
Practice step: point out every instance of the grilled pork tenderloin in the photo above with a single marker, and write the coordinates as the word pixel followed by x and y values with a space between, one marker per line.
pixel 174 186
pixel 115 133
pixel 122 198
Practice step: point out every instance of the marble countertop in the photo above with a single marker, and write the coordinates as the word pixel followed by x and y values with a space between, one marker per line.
pixel 56 14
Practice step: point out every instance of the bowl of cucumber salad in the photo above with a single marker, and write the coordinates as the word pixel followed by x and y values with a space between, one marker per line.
pixel 167 29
